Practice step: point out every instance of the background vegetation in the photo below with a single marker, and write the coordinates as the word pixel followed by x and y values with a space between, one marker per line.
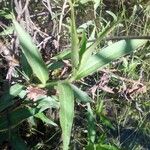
pixel 39 80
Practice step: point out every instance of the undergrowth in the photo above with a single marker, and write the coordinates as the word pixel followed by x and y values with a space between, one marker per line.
pixel 82 50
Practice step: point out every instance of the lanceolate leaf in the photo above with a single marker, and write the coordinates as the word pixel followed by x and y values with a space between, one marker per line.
pixel 93 47
pixel 31 53
pixel 107 55
pixel 66 99
pixel 74 39
pixel 91 124
pixel 45 119
pixel 81 95
pixel 83 45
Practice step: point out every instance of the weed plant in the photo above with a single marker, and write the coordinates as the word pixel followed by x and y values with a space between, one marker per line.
pixel 93 94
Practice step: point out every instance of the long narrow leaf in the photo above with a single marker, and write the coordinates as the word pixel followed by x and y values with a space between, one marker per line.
pixel 74 39
pixel 107 55
pixel 45 119
pixel 81 95
pixel 91 124
pixel 93 47
pixel 31 53
pixel 83 45
pixel 66 98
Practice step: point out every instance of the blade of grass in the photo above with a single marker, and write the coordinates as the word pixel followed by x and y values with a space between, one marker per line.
pixel 66 99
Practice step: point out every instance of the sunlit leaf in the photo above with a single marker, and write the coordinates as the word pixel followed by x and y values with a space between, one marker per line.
pixel 31 53
pixel 87 54
pixel 6 13
pixel 66 113
pixel 112 14
pixel 107 55
pixel 84 26
pixel 7 31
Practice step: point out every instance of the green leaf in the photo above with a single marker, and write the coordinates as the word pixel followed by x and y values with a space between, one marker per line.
pixel 66 54
pixel 84 26
pixel 6 13
pixel 47 102
pixel 7 99
pixel 91 124
pixel 91 146
pixel 80 95
pixel 14 118
pixel 107 55
pixel 106 121
pixel 83 45
pixel 7 31
pixel 74 39
pixel 87 54
pixel 31 53
pixel 56 65
pixel 66 113
pixel 96 4
pixel 45 119
pixel 106 147
pixel 26 67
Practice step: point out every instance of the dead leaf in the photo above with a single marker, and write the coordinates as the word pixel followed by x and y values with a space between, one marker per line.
pixel 34 92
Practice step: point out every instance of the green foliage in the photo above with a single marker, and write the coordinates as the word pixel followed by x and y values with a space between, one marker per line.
pixel 80 95
pixel 107 55
pixel 45 119
pixel 91 124
pixel 7 99
pixel 31 53
pixel 74 40
pixel 66 98
pixel 85 60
